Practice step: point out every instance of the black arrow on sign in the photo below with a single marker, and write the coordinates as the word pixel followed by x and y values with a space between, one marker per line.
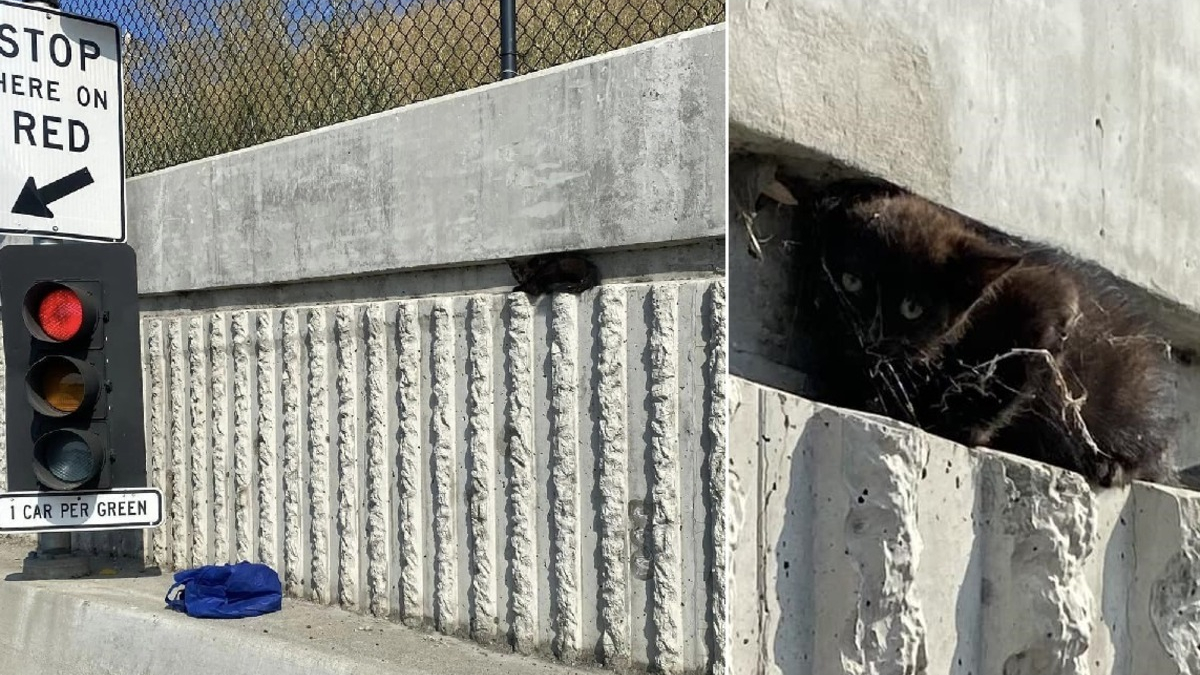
pixel 32 201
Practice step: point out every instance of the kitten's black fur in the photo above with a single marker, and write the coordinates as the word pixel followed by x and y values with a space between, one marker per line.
pixel 921 314
pixel 556 272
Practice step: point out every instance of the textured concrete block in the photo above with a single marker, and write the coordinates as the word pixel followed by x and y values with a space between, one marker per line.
pixel 876 548
pixel 745 576
pixel 546 475
pixel 1035 608
pixel 838 541
pixel 1164 622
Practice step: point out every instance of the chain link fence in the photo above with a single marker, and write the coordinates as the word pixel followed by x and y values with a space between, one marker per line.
pixel 203 77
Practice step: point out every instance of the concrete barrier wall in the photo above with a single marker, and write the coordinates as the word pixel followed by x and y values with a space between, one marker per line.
pixel 620 150
pixel 864 545
pixel 544 475
pixel 535 473
pixel 339 383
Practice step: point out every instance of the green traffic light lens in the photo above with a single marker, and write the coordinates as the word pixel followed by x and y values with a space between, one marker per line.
pixel 65 459
pixel 70 461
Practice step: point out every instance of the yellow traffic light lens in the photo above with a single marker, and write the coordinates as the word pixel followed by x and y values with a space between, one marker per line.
pixel 58 386
pixel 63 387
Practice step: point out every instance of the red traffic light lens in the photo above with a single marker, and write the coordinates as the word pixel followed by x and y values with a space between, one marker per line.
pixel 60 314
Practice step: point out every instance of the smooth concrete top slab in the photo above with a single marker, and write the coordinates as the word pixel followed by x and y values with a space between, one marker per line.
pixel 621 150
pixel 1073 124
pixel 120 625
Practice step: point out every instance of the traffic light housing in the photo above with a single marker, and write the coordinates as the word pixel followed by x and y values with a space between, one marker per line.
pixel 73 372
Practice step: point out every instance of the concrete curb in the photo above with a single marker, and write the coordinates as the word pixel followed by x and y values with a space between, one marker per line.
pixel 120 625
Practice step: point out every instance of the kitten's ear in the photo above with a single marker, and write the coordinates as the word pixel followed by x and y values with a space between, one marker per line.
pixel 844 194
pixel 987 265
pixel 520 269
pixel 978 268
pixel 778 191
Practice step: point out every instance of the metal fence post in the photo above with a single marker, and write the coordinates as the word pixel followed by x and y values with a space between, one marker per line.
pixel 508 39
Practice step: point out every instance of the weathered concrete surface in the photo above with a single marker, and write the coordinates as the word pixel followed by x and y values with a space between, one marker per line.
pixel 547 476
pixel 1074 125
pixel 121 625
pixel 863 545
pixel 621 150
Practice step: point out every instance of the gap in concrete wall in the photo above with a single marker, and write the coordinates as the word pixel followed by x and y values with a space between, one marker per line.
pixel 679 260
pixel 763 277
pixel 765 293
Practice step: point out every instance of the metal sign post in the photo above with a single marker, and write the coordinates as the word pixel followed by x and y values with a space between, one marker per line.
pixel 54 545
pixel 53 557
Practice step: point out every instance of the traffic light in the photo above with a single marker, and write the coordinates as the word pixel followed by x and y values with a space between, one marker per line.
pixel 73 372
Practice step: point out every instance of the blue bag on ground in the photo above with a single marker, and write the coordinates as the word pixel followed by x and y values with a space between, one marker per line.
pixel 226 591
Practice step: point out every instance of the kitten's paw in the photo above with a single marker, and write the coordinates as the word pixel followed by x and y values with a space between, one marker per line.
pixel 1107 473
pixel 980 438
pixel 1063 314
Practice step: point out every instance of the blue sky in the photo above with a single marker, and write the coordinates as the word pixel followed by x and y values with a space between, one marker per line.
pixel 138 17
pixel 135 16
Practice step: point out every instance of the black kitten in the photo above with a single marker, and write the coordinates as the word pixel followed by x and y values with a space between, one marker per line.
pixel 552 273
pixel 915 312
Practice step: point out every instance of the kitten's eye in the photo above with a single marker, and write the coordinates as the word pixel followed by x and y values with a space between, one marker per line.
pixel 910 309
pixel 851 283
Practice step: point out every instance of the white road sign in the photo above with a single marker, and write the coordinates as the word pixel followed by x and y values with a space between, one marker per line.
pixel 62 144
pixel 133 508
